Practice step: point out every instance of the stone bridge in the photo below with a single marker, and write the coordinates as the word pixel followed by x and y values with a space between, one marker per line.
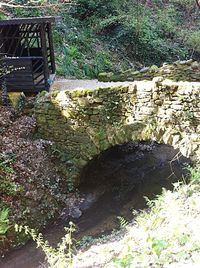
pixel 84 123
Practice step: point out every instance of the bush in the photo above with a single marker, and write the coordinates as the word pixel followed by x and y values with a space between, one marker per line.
pixel 98 8
pixel 148 37
pixel 193 41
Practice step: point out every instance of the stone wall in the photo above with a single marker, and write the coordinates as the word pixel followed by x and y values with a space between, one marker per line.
pixel 83 123
pixel 178 71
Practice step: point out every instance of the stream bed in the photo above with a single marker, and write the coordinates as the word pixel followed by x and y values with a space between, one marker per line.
pixel 112 185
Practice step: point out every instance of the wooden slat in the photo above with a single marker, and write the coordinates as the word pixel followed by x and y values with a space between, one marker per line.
pixel 19 42
pixel 40 81
pixel 24 41
pixel 19 78
pixel 29 20
pixel 13 39
pixel 44 54
pixel 51 48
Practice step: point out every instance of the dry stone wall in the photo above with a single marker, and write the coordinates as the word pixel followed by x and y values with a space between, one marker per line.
pixel 83 123
pixel 178 71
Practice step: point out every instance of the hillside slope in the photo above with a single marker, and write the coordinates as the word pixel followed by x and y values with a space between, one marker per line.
pixel 102 36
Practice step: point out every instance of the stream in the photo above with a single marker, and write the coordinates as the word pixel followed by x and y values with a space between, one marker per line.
pixel 112 185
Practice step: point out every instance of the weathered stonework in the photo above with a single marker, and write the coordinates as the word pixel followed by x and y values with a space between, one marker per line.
pixel 86 122
pixel 178 71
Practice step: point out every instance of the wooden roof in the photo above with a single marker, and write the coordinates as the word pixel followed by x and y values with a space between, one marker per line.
pixel 30 20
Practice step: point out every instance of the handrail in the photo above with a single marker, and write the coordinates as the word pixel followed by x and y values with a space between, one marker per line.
pixel 23 58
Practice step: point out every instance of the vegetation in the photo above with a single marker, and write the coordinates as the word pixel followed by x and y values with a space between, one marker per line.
pixel 60 257
pixel 4 222
pixel 94 37
pixel 102 36
pixel 165 234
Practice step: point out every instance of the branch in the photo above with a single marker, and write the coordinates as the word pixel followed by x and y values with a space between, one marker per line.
pixel 3 4
pixel 198 3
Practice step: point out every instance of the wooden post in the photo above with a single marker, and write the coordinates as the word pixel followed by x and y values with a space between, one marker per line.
pixel 44 54
pixel 52 57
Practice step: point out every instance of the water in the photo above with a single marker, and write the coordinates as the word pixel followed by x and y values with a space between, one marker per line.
pixel 112 185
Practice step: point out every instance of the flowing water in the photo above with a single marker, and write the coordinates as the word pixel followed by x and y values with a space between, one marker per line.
pixel 112 185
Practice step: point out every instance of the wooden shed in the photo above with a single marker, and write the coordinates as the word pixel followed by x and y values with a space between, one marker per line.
pixel 26 48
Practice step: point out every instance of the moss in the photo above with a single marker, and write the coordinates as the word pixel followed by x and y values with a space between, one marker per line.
pixel 153 69
pixel 80 93
pixel 104 145
pixel 42 93
pixel 17 100
pixel 179 71
pixel 55 93
pixel 105 77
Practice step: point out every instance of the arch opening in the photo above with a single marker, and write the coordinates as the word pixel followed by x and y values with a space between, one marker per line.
pixel 116 181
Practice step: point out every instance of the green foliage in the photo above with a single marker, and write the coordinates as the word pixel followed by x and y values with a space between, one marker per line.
pixel 5 162
pixel 158 245
pixel 110 36
pixel 122 221
pixel 96 8
pixel 147 37
pixel 166 232
pixel 85 241
pixel 60 154
pixel 189 116
pixel 21 103
pixel 10 188
pixel 7 186
pixel 185 5
pixel 125 261
pixel 72 62
pixel 144 34
pixel 194 174
pixel 2 16
pixel 4 222
pixel 193 41
pixel 69 60
pixel 59 257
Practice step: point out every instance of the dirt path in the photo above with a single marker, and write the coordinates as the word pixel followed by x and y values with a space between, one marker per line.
pixel 70 84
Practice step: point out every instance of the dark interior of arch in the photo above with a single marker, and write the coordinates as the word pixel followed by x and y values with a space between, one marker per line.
pixel 124 170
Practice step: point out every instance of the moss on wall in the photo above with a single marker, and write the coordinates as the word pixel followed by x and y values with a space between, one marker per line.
pixel 178 71
pixel 86 122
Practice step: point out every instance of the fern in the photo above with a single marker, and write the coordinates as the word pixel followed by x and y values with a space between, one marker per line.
pixel 122 221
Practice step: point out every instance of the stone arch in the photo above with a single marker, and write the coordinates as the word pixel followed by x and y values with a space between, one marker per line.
pixel 85 123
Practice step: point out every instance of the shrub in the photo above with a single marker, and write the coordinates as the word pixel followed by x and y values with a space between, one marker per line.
pixel 193 41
